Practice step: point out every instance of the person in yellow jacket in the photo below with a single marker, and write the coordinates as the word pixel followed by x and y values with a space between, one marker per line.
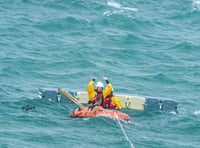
pixel 98 91
pixel 112 102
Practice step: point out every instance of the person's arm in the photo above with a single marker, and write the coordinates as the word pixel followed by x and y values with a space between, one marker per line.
pixel 90 89
pixel 108 88
pixel 117 103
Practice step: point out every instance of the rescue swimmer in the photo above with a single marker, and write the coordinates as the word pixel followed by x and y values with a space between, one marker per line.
pixel 100 97
pixel 112 102
pixel 98 91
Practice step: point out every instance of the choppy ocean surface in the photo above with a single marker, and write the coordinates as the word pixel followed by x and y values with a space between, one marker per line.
pixel 148 48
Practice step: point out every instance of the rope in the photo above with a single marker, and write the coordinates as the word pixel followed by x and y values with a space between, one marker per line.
pixel 124 131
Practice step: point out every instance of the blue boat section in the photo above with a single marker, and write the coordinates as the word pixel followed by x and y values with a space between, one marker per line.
pixel 151 103
pixel 164 104
pixel 52 94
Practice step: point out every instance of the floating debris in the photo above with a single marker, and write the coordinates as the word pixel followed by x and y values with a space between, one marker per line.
pixel 28 108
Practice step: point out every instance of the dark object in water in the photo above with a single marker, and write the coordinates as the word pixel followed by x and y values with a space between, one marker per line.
pixel 28 107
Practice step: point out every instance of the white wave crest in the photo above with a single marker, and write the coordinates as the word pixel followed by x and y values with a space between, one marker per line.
pixel 197 112
pixel 118 6
pixel 196 5
pixel 108 13
pixel 113 4
pixel 173 112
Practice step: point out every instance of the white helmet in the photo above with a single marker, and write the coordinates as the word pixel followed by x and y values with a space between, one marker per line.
pixel 99 84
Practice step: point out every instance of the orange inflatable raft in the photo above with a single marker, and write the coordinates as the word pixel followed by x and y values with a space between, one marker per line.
pixel 106 112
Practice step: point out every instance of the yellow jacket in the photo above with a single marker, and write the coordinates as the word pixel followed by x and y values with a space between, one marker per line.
pixel 92 92
pixel 116 102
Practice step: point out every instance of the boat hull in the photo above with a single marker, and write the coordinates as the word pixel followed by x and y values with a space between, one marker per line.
pixel 128 102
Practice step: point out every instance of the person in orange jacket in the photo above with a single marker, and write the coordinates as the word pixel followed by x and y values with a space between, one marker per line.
pixel 98 91
pixel 112 102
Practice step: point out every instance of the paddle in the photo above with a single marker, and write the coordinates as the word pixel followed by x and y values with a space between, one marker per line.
pixel 69 96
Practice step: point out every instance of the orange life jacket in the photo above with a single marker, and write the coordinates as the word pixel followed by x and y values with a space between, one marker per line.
pixel 107 103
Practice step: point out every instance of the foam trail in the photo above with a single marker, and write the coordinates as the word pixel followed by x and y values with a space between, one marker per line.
pixel 124 131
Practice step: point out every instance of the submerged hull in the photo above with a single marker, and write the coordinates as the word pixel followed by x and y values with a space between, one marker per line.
pixel 108 113
pixel 128 102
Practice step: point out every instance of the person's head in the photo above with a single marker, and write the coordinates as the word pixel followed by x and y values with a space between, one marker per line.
pixel 99 86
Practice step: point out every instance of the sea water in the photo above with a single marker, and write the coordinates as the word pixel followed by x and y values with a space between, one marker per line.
pixel 148 48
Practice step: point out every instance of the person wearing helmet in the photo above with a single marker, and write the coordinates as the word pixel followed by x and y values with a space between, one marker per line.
pixel 112 102
pixel 99 91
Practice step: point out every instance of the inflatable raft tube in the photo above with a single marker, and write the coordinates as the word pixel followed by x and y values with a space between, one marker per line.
pixel 106 112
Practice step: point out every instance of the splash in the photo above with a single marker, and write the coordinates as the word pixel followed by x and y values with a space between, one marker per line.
pixel 119 8
pixel 197 112
pixel 196 5
pixel 173 112
pixel 108 13
pixel 114 4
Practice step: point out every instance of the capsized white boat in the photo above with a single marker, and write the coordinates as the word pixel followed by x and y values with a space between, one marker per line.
pixel 128 102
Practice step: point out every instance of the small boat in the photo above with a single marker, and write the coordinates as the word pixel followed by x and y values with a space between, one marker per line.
pixel 114 114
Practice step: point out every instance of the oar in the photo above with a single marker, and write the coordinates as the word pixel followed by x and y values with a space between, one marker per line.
pixel 69 96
